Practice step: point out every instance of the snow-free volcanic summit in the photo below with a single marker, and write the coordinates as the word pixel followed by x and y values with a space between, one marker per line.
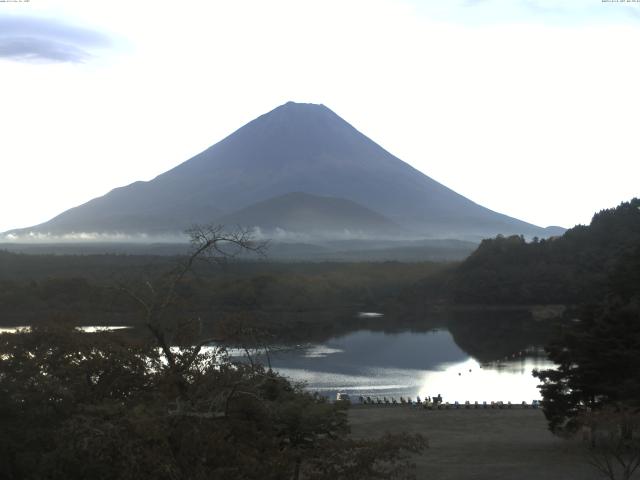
pixel 299 168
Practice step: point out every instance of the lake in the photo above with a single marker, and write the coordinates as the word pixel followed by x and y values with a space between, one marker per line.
pixel 409 364
pixel 496 363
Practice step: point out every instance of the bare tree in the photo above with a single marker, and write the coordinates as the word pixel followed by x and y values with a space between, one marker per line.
pixel 209 243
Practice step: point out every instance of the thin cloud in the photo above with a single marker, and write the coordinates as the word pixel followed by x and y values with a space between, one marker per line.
pixel 31 39
pixel 568 12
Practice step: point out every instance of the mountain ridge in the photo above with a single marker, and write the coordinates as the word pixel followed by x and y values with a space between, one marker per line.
pixel 330 216
pixel 293 148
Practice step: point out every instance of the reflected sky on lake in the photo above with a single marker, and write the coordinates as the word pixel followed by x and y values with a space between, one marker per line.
pixel 407 364
pixel 12 329
pixel 86 329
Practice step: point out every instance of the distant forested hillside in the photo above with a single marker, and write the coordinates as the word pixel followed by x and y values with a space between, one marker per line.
pixel 569 269
pixel 36 288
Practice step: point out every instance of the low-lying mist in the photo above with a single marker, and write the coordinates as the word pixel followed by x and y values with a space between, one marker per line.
pixel 257 233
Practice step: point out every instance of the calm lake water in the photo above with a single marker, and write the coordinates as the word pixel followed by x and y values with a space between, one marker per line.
pixel 408 364
pixel 379 364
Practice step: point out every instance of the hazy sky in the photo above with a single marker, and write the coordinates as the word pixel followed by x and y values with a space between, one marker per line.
pixel 528 107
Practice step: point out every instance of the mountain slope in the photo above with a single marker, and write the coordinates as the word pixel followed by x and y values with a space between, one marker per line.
pixel 303 213
pixel 294 148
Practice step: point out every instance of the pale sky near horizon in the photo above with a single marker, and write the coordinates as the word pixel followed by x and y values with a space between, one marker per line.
pixel 528 107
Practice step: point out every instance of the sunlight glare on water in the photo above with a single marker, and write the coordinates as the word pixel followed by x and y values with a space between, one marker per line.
pixel 471 381
pixel 408 364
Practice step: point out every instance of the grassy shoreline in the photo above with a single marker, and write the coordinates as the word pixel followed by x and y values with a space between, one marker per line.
pixel 479 444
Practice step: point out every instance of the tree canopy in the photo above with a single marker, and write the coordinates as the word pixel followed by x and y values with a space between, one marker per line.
pixel 571 269
pixel 161 402
pixel 598 353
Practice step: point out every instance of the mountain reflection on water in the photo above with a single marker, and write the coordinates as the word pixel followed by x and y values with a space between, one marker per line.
pixel 409 363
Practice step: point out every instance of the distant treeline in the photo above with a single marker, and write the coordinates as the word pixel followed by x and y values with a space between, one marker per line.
pixel 570 269
pixel 93 288
pixel 368 250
